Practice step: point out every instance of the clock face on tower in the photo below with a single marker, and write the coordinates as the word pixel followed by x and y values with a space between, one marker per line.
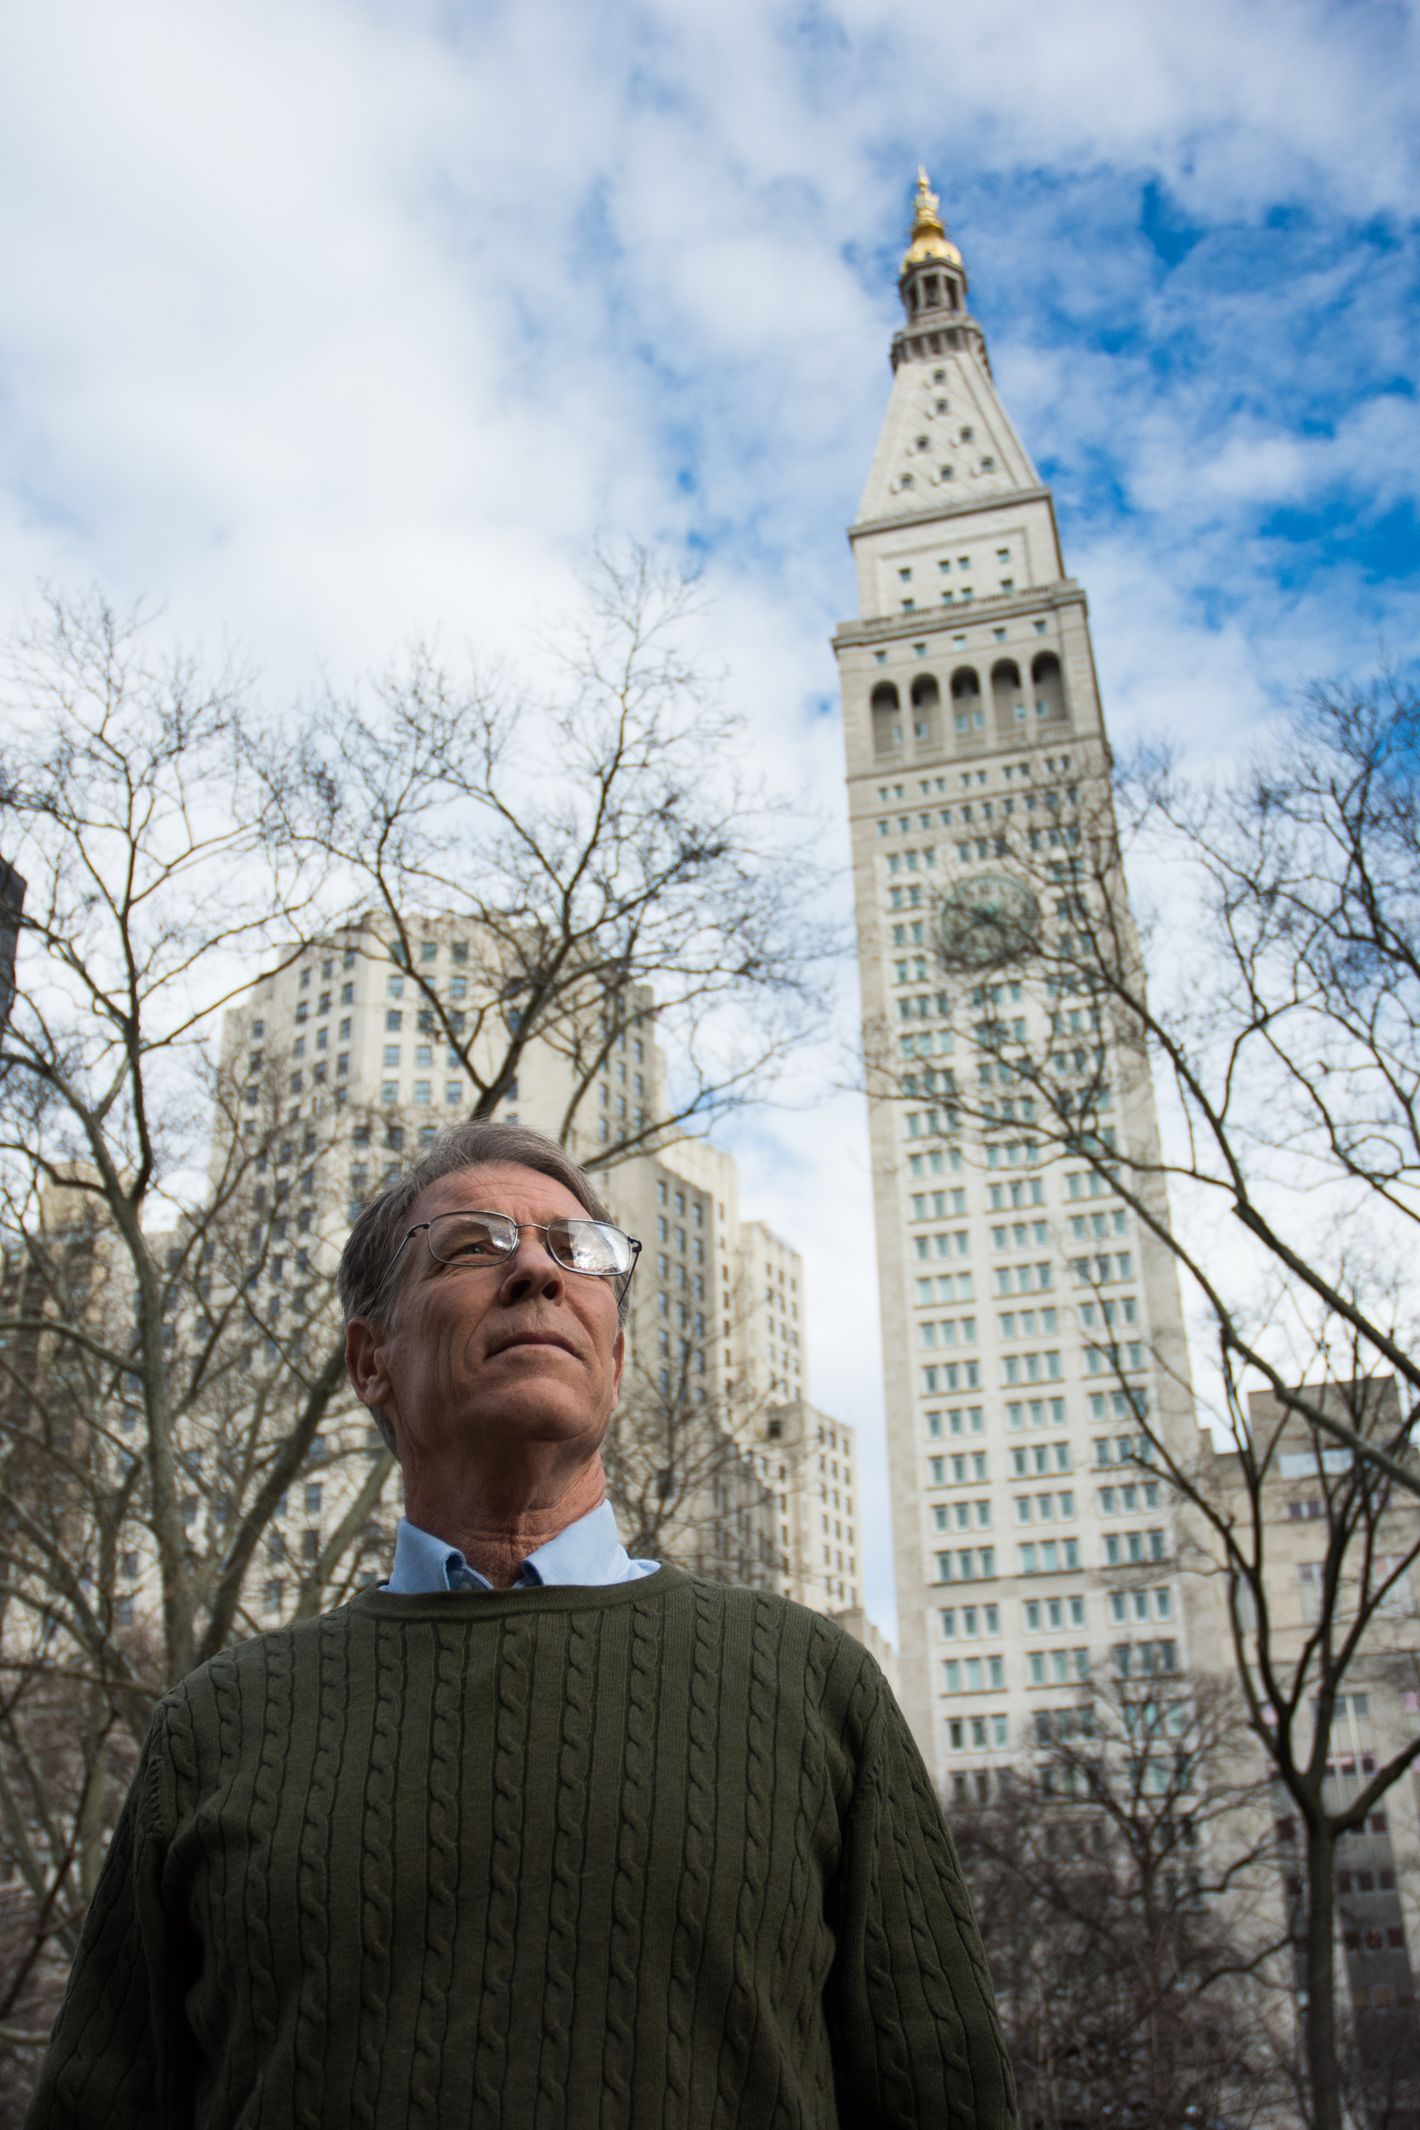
pixel 985 921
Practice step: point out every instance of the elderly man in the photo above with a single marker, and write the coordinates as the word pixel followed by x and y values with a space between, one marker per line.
pixel 533 1834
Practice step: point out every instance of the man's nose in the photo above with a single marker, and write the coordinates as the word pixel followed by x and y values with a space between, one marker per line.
pixel 532 1269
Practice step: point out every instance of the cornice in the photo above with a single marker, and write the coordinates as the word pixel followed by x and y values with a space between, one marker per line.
pixel 937 621
pixel 904 520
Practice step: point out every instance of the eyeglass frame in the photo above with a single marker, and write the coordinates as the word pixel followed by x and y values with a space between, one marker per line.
pixel 541 1227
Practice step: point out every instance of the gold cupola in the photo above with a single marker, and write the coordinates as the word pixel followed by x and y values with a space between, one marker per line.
pixel 930 241
pixel 932 285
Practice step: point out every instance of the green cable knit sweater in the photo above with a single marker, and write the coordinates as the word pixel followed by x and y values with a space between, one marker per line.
pixel 565 1859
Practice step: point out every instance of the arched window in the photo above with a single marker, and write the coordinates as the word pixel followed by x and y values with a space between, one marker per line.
pixel 967 712
pixel 887 717
pixel 1007 696
pixel 1048 685
pixel 926 711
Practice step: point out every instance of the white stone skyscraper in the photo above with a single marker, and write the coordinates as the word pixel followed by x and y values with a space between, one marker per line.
pixel 1026 1316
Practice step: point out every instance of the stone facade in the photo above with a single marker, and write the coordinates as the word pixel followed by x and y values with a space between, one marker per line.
pixel 1318 1555
pixel 1030 1537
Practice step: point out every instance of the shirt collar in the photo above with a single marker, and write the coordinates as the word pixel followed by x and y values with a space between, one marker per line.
pixel 589 1551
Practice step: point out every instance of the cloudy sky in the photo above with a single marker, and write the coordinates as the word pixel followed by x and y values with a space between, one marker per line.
pixel 330 324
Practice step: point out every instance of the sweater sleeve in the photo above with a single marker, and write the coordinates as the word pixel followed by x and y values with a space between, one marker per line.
pixel 915 2034
pixel 118 2054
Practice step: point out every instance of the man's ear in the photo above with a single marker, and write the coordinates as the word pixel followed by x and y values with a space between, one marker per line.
pixel 365 1363
pixel 618 1363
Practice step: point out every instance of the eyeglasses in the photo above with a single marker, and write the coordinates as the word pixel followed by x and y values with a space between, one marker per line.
pixel 470 1241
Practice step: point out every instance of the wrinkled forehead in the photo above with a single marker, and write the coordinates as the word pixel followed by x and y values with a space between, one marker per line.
pixel 498 1187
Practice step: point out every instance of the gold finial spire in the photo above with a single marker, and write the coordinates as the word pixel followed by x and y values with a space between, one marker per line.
pixel 929 233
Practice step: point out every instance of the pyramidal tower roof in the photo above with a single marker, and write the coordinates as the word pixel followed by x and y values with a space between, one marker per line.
pixel 946 439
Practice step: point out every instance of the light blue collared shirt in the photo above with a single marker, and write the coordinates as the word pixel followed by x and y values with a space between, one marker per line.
pixel 588 1551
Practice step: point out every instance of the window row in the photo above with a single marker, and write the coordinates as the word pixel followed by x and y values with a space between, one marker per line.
pixel 1056 1667
pixel 976 1734
pixel 954 1470
pixel 973 1675
pixel 946 1287
pixel 1014 700
pixel 934 1205
pixel 421 1094
pixel 961 1515
pixel 1043 1457
pixel 967 1420
pixel 948 1331
pixel 1125 1500
pixel 952 1375
pixel 1045 1508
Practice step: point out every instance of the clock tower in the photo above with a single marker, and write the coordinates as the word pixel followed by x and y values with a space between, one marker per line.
pixel 1031 1545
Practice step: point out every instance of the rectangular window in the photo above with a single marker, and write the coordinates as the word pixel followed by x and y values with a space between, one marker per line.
pixel 1309 1581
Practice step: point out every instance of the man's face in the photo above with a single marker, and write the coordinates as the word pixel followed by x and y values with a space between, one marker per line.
pixel 499 1355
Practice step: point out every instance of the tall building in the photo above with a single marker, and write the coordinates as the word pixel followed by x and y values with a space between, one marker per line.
pixel 1026 1318
pixel 718 1313
pixel 1323 1551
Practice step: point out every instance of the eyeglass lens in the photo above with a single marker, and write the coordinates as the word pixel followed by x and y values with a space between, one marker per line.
pixel 590 1246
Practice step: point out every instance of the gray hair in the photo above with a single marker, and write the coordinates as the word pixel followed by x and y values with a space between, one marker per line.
pixel 368 1279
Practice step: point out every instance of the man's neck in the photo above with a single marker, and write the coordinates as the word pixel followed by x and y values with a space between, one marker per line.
pixel 497 1527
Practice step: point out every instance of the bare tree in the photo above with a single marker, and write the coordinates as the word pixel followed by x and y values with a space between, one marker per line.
pixel 125 788
pixel 684 1455
pixel 171 1379
pixel 602 851
pixel 1280 1026
pixel 1116 1878
pixel 1314 1548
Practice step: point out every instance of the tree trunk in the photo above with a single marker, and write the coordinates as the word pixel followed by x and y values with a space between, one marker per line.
pixel 1323 2071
